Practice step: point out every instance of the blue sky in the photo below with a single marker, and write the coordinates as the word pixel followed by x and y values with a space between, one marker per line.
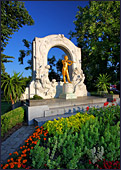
pixel 51 17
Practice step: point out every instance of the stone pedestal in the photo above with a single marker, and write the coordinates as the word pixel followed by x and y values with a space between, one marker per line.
pixel 68 92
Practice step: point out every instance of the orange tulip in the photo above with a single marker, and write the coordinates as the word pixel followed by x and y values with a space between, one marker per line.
pixel 24 151
pixel 24 161
pixel 8 160
pixel 35 142
pixel 11 165
pixel 36 126
pixel 15 163
pixel 11 159
pixel 15 153
pixel 24 155
pixel 19 165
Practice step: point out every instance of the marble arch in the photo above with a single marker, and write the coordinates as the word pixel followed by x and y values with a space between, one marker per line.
pixel 41 47
pixel 40 83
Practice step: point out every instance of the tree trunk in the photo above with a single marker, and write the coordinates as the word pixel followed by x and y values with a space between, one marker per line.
pixel 13 103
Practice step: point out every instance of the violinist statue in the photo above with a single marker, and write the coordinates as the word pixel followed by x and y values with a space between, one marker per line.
pixel 65 72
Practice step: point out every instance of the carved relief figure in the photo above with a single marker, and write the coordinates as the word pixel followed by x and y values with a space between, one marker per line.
pixel 78 78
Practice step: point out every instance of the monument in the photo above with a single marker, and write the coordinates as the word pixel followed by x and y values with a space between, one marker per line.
pixel 41 85
pixel 57 95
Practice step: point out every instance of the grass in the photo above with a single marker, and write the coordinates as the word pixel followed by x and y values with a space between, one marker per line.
pixel 5 107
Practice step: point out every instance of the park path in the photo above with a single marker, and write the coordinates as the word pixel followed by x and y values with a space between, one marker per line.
pixel 13 143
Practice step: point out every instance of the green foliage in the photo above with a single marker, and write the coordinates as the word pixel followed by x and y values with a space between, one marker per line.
pixel 111 92
pixel 13 16
pixel 39 156
pixel 26 80
pixel 11 118
pixel 61 151
pixel 5 107
pixel 27 53
pixel 97 29
pixel 59 126
pixel 96 94
pixel 106 115
pixel 52 73
pixel 13 87
pixel 4 59
pixel 71 150
pixel 103 82
pixel 36 97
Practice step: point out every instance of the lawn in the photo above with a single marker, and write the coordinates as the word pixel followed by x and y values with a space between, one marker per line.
pixel 88 140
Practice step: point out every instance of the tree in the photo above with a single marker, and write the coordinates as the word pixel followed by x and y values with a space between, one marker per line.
pixel 13 87
pixel 4 59
pixel 98 35
pixel 13 17
pixel 26 53
pixel 59 66
pixel 52 72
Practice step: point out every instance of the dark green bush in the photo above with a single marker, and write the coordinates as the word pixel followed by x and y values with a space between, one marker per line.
pixel 11 118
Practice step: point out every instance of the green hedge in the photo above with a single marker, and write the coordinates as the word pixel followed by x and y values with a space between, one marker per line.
pixel 11 118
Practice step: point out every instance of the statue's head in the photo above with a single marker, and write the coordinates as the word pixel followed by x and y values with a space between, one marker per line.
pixel 66 57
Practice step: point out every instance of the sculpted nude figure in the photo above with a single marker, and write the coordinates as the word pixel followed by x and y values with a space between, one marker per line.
pixel 65 68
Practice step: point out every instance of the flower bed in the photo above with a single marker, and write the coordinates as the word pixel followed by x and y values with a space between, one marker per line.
pixel 94 143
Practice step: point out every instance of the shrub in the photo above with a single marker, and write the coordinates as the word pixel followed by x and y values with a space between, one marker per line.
pixel 111 92
pixel 35 97
pixel 11 118
pixel 110 114
pixel 59 126
pixel 96 134
pixel 64 145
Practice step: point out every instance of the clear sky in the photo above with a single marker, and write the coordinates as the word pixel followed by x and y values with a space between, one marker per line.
pixel 51 17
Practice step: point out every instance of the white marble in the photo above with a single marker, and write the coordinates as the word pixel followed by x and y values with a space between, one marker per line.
pixel 40 83
pixel 68 91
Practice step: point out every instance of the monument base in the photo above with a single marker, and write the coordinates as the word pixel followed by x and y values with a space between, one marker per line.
pixel 68 92
pixel 68 96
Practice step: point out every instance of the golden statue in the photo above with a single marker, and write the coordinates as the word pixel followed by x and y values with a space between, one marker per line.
pixel 65 68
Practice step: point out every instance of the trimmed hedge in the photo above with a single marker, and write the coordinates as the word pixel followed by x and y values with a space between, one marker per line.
pixel 11 118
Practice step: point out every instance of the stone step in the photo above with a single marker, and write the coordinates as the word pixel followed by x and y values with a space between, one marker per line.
pixel 63 112
pixel 76 102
